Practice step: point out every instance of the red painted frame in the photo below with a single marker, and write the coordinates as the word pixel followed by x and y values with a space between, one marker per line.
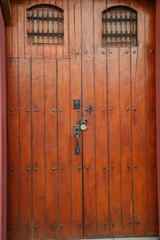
pixel 158 99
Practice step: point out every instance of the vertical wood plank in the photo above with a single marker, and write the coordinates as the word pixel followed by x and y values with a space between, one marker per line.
pixel 25 149
pixel 151 117
pixel 13 150
pixel 8 39
pixel 114 141
pixel 38 149
pixel 21 32
pixel 34 47
pixel 27 47
pixel 126 150
pixel 59 48
pixel 76 160
pixel 14 31
pixel 139 126
pixel 89 135
pixel 65 211
pixel 51 149
pixel 68 25
pixel 101 139
pixel 53 48
pixel 71 27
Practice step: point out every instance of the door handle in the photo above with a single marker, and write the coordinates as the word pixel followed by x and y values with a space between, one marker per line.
pixel 77 135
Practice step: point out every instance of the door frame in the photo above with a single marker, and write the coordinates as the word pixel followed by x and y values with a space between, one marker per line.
pixel 3 159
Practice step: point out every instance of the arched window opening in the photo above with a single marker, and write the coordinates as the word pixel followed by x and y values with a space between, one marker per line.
pixel 45 24
pixel 119 26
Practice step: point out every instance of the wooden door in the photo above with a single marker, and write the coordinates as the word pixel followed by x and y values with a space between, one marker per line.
pixel 103 54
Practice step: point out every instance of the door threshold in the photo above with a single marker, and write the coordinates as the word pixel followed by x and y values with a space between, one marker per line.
pixel 127 238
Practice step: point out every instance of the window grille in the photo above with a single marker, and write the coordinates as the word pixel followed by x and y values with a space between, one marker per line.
pixel 45 24
pixel 119 26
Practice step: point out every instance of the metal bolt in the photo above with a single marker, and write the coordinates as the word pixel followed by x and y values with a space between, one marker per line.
pixel 104 167
pixel 11 110
pixel 151 51
pixel 137 222
pixel 129 222
pixel 61 110
pixel 79 168
pixel 105 224
pixel 36 168
pixel 152 109
pixel 128 166
pixel 11 169
pixel 112 166
pixel 53 110
pixel 87 167
pixel 155 220
pixel 36 227
pixel 111 109
pixel 36 109
pixel 61 225
pixel 127 109
pixel 27 110
pixel 11 228
pixel 53 169
pixel 62 168
pixel 113 223
pixel 136 166
pixel 103 109
pixel 153 165
pixel 27 168
pixel 134 109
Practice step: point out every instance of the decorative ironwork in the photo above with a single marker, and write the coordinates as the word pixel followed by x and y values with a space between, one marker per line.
pixel 119 26
pixel 45 24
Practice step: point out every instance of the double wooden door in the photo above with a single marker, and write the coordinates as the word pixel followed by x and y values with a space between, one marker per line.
pixel 109 189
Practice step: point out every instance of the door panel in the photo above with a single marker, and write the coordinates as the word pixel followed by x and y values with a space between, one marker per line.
pixel 109 189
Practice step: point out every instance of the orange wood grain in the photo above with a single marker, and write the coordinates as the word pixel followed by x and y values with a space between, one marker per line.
pixel 25 149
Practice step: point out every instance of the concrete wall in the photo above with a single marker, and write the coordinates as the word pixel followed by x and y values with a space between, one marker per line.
pixel 3 141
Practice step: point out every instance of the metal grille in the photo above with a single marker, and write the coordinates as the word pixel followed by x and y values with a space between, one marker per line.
pixel 45 24
pixel 119 26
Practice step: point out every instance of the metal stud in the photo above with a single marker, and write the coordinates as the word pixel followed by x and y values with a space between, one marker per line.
pixel 112 166
pixel 53 110
pixel 79 168
pixel 78 110
pixel 127 109
pixel 11 169
pixel 28 168
pixel 153 165
pixel 105 224
pixel 104 167
pixel 152 109
pixel 103 52
pixel 129 222
pixel 27 110
pixel 155 220
pixel 36 227
pixel 11 228
pixel 111 109
pixel 11 110
pixel 61 168
pixel 88 225
pixel 113 223
pixel 134 52
pixel 128 166
pixel 134 109
pixel 151 51
pixel 36 168
pixel 137 222
pixel 103 109
pixel 36 109
pixel 62 226
pixel 61 110
pixel 53 169
pixel 136 166
pixel 87 167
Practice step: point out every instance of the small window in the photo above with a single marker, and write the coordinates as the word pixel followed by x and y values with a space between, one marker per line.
pixel 45 24
pixel 119 26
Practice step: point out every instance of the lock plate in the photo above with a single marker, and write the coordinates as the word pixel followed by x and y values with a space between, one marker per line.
pixel 76 104
pixel 76 131
pixel 83 127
